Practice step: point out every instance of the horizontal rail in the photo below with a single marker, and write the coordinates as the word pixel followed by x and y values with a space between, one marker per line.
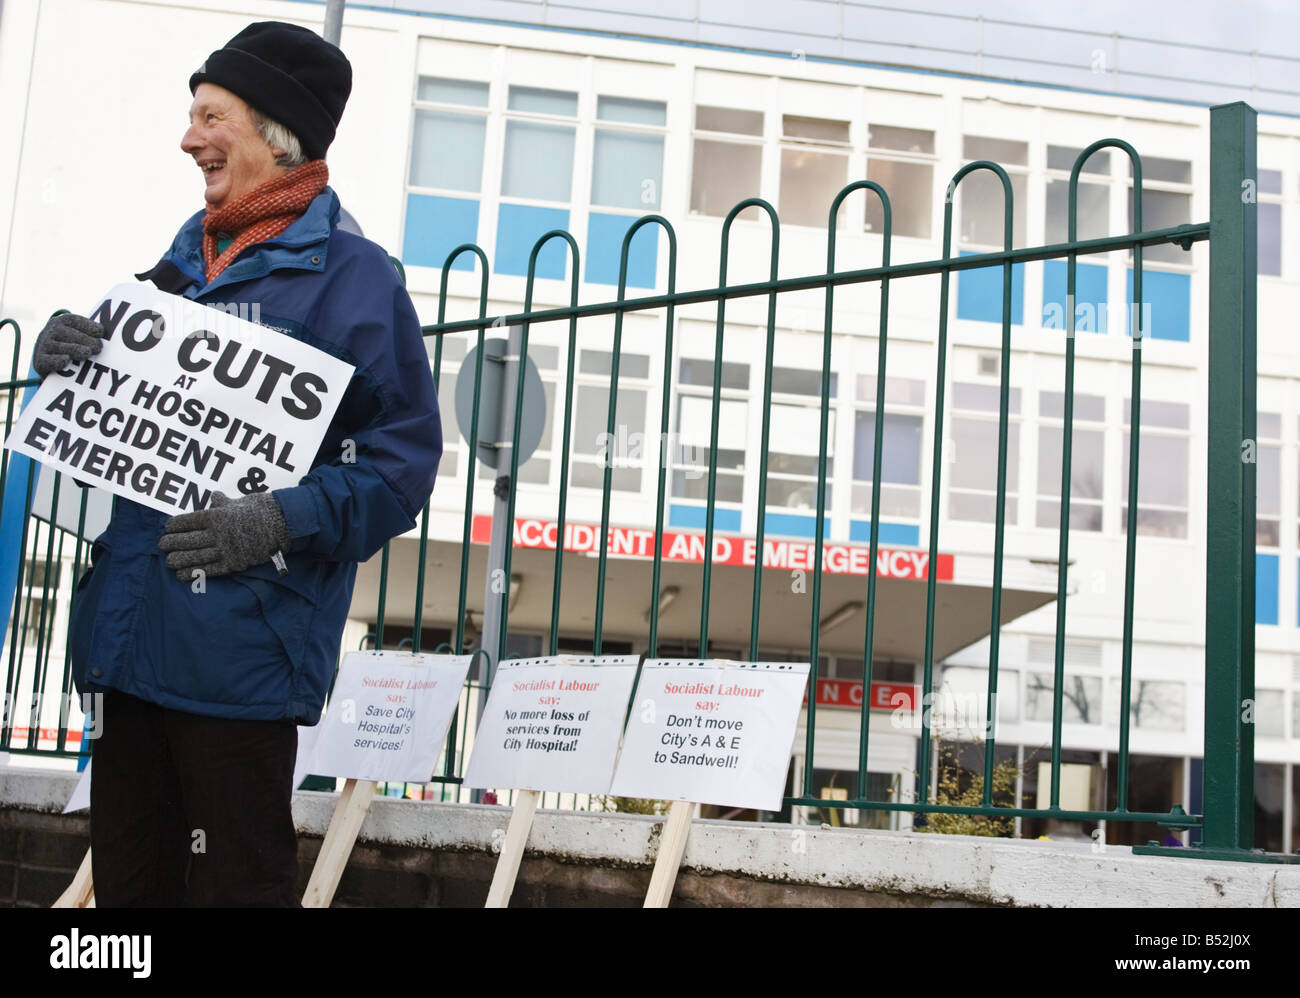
pixel 1183 234
pixel 1173 819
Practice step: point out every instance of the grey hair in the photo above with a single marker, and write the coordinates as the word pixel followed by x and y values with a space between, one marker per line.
pixel 277 136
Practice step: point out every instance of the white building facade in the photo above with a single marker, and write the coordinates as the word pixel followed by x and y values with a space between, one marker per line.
pixel 463 131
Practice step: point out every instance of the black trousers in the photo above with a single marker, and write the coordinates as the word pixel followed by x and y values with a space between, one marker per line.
pixel 191 810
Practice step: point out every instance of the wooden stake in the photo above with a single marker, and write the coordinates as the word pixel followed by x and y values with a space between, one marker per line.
pixel 349 813
pixel 512 849
pixel 672 846
pixel 81 892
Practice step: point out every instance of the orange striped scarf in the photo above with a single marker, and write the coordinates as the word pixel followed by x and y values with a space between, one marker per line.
pixel 261 214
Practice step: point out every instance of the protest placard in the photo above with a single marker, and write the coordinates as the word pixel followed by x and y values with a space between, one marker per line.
pixel 553 724
pixel 387 719
pixel 388 715
pixel 182 401
pixel 549 724
pixel 712 732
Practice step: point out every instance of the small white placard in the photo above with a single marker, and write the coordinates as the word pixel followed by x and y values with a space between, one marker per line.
pixel 553 724
pixel 67 514
pixel 307 739
pixel 183 400
pixel 712 732
pixel 80 799
pixel 389 715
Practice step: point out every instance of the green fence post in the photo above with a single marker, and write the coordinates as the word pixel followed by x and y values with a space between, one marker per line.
pixel 1229 825
pixel 1230 509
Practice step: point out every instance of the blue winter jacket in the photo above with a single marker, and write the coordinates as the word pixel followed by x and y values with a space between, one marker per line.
pixel 258 645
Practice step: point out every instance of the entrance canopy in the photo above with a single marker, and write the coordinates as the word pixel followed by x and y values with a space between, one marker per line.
pixel 963 600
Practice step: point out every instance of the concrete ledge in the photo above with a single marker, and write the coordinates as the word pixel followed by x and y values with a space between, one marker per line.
pixel 745 863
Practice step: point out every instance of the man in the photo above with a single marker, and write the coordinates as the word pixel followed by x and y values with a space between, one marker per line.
pixel 213 633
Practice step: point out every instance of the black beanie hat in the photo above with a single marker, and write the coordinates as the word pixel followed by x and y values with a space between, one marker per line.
pixel 289 74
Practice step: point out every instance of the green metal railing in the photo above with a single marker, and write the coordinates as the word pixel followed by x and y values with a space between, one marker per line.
pixel 1226 821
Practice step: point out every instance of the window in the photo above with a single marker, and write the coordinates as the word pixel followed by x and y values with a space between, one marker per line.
pixel 901 160
pixel 538 163
pixel 981 195
pixel 850 667
pixel 1080 698
pixel 36 575
pixel 900 451
pixel 981 206
pixel 536 180
pixel 1270 714
pixel 1166 291
pixel 1092 214
pixel 894 672
pixel 447 148
pixel 694 429
pixel 1162 470
pixel 1093 210
pixel 627 452
pixel 728 160
pixel 814 167
pixel 1268 479
pixel 38 631
pixel 973 453
pixel 539 132
pixel 626 178
pixel 838 784
pixel 629 157
pixel 1270 814
pixel 961 697
pixel 794 438
pixel 1269 222
pixel 1087 460
pixel 446 170
pixel 1156 706
pixel 1061 159
pixel 1166 202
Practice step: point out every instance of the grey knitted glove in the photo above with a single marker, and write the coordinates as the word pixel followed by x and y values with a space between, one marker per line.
pixel 229 536
pixel 64 339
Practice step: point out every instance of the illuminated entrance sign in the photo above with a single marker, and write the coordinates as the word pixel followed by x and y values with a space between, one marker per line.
pixel 848 693
pixel 728 549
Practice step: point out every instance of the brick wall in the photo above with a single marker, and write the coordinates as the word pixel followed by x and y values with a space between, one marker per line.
pixel 40 853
